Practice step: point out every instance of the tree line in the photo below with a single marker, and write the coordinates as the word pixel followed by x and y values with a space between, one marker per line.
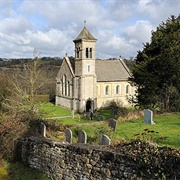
pixel 11 62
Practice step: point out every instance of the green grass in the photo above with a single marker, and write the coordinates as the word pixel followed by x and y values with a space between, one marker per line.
pixel 75 121
pixel 49 110
pixel 63 115
pixel 17 171
pixel 167 126
pixel 166 130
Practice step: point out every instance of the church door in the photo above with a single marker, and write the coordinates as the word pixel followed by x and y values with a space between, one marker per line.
pixel 88 105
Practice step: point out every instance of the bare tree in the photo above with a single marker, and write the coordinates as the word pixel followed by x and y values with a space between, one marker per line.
pixel 5 85
pixel 27 82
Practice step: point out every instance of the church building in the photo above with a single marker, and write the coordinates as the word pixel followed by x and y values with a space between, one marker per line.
pixel 87 83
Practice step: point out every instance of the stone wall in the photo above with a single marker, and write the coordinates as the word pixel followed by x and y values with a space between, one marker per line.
pixel 87 162
pixel 75 161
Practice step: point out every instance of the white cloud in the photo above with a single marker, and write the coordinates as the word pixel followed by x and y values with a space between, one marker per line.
pixel 159 10
pixel 50 26
pixel 140 31
pixel 16 24
pixel 50 43
pixel 110 45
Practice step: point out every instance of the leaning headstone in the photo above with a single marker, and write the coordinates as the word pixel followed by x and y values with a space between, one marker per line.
pixel 148 117
pixel 68 136
pixel 82 137
pixel 43 129
pixel 105 140
pixel 113 124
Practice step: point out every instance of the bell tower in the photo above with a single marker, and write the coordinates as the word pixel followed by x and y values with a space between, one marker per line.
pixel 85 69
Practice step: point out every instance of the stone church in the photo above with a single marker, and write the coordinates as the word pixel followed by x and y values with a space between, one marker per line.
pixel 87 83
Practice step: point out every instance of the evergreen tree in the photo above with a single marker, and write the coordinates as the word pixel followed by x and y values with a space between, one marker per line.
pixel 156 72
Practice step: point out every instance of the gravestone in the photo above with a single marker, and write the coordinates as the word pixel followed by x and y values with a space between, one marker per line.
pixel 113 124
pixel 82 137
pixel 43 129
pixel 105 140
pixel 72 114
pixel 148 117
pixel 68 136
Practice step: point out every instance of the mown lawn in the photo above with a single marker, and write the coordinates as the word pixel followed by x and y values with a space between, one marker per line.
pixel 165 131
pixel 49 110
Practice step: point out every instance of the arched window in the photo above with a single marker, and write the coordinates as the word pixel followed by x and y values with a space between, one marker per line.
pixel 90 52
pixel 127 89
pixel 87 53
pixel 117 89
pixel 106 90
pixel 68 88
pixel 77 50
pixel 64 88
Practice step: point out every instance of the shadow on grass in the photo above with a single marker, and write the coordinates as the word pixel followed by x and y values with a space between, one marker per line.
pixel 18 171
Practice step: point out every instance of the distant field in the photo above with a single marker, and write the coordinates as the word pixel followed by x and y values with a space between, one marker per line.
pixel 165 131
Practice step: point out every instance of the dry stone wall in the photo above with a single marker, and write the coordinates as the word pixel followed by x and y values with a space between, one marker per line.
pixel 75 161
pixel 86 162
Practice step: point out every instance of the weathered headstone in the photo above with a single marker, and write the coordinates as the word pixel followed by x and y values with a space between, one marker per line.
pixel 72 114
pixel 113 124
pixel 148 117
pixel 82 137
pixel 43 129
pixel 105 140
pixel 68 136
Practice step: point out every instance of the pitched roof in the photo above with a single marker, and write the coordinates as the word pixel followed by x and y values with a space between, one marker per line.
pixel 111 70
pixel 85 35
pixel 69 65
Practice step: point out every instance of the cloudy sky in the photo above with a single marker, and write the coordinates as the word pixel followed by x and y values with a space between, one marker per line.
pixel 50 26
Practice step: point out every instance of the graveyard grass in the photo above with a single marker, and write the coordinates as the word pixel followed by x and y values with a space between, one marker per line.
pixel 49 110
pixel 165 131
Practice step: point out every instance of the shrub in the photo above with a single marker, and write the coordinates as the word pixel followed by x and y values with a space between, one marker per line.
pixel 10 130
pixel 153 162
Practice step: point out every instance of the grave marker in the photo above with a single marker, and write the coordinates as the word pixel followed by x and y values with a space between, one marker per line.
pixel 148 116
pixel 68 136
pixel 43 129
pixel 105 140
pixel 82 137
